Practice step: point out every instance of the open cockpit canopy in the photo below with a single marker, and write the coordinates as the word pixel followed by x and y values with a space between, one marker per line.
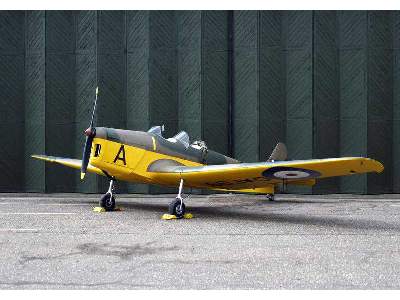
pixel 181 137
pixel 158 130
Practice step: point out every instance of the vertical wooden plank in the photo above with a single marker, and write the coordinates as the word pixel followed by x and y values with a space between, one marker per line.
pixel 111 68
pixel 215 80
pixel 272 99
pixel 326 94
pixel 189 51
pixel 137 70
pixel 353 93
pixel 60 98
pixel 12 100
pixel 396 100
pixel 246 59
pixel 162 68
pixel 35 96
pixel 380 98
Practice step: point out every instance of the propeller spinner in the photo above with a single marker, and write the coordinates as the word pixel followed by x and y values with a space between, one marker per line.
pixel 90 134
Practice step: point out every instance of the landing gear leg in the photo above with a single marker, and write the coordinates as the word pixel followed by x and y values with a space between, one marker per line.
pixel 108 200
pixel 270 197
pixel 177 207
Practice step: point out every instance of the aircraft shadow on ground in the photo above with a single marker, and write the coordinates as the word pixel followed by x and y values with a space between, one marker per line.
pixel 225 212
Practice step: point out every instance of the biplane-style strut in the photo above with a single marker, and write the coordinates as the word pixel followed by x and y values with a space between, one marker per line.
pixel 148 157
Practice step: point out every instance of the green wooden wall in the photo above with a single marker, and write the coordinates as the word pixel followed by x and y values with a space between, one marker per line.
pixel 327 83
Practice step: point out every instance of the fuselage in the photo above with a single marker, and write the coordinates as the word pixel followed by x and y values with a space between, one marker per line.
pixel 136 156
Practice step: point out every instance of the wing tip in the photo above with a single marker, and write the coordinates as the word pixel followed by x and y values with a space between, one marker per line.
pixel 374 165
pixel 378 166
pixel 41 157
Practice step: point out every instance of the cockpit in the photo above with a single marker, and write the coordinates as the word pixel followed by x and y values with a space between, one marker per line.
pixel 182 137
pixel 177 146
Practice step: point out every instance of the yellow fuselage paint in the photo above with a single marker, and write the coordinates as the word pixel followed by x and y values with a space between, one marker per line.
pixel 134 167
pixel 138 160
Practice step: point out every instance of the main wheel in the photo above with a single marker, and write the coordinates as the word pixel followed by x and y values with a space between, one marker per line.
pixel 107 202
pixel 175 208
pixel 270 197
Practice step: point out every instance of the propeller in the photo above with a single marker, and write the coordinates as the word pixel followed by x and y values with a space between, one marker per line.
pixel 90 134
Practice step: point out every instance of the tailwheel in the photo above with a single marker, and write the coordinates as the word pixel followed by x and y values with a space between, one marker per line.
pixel 108 202
pixel 177 208
pixel 270 197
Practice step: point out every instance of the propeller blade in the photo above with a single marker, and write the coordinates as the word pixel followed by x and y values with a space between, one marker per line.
pixel 94 107
pixel 90 134
pixel 86 155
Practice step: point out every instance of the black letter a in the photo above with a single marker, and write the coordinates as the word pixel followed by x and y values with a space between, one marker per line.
pixel 121 150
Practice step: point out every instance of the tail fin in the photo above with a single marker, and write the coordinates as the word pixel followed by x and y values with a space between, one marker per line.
pixel 279 153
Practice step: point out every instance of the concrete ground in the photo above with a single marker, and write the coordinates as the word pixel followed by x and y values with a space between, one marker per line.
pixel 234 242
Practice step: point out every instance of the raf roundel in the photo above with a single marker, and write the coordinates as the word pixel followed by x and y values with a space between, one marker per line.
pixel 289 173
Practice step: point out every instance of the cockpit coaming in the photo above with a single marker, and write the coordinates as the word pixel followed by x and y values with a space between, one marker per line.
pixel 177 146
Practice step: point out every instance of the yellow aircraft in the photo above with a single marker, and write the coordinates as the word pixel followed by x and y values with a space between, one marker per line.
pixel 148 157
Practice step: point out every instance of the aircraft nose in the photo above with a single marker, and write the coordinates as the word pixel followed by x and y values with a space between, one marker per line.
pixel 90 132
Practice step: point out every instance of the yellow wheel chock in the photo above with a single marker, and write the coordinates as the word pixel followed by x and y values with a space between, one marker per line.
pixel 173 217
pixel 100 209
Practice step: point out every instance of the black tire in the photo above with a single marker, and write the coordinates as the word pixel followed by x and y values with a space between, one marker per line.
pixel 270 197
pixel 174 208
pixel 107 202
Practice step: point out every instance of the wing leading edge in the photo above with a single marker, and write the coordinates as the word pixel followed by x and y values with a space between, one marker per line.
pixel 246 176
pixel 68 162
pixel 258 175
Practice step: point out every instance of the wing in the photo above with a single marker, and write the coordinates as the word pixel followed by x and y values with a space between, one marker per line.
pixel 258 175
pixel 69 162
